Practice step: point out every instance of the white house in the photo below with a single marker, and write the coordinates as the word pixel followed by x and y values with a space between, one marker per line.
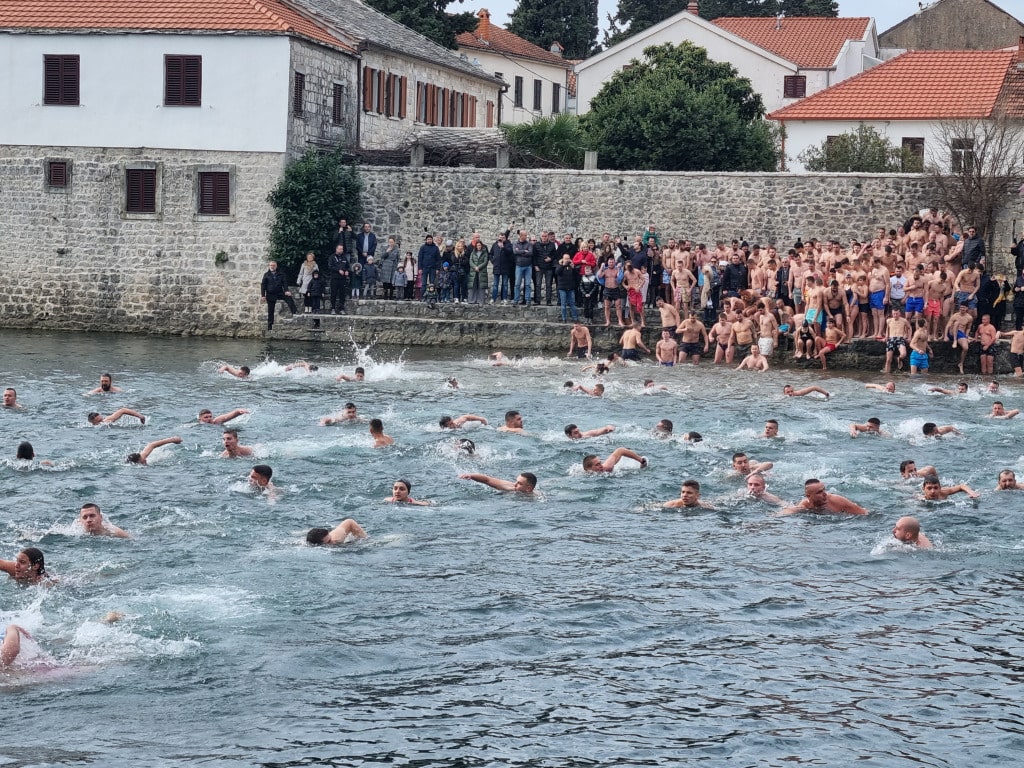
pixel 785 59
pixel 536 80
pixel 911 100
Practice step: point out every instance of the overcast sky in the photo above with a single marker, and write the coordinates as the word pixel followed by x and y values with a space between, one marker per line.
pixel 886 13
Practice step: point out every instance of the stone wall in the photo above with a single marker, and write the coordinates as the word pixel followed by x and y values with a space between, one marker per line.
pixel 322 68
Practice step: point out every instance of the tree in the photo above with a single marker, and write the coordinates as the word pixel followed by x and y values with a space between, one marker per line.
pixel 573 23
pixel 861 150
pixel 429 18
pixel 315 191
pixel 986 162
pixel 548 141
pixel 679 111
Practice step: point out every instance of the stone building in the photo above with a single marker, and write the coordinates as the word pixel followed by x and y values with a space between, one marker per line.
pixel 952 25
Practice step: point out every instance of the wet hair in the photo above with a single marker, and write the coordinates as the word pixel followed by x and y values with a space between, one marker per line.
pixel 693 437
pixel 446 422
pixel 692 484
pixel 602 368
pixel 467 445
pixel 773 421
pixel 314 368
pixel 359 369
pixel 406 483
pixel 376 425
pixel 204 412
pixel 811 481
pixel 244 369
pixel 263 470
pixel 876 421
pixel 929 428
pixel 134 458
pixel 665 425
pixel 349 405
pixel 588 458
pixel 92 415
pixel 25 451
pixel 509 415
pixel 90 505
pixel 35 557
pixel 530 478
pixel 931 480
pixel 906 463
pixel 568 385
pixel 106 376
pixel 231 432
pixel 317 536
pixel 569 429
pixel 739 456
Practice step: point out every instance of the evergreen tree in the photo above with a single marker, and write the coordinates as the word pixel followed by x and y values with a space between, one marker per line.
pixel 861 150
pixel 428 17
pixel 573 23
pixel 679 111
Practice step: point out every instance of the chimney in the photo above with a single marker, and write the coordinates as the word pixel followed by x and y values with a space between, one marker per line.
pixel 693 8
pixel 556 48
pixel 483 27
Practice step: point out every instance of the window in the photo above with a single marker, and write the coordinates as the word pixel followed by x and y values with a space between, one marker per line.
pixel 794 87
pixel 538 86
pixel 962 158
pixel 338 104
pixel 298 95
pixel 394 103
pixel 490 113
pixel 913 154
pixel 140 190
pixel 183 81
pixel 556 98
pixel 60 81
pixel 517 93
pixel 215 193
pixel 57 173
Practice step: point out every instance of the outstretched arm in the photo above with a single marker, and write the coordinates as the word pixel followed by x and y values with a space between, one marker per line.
pixel 346 528
pixel 156 444
pixel 619 453
pixel 124 412
pixel 12 644
pixel 470 417
pixel 226 417
pixel 494 482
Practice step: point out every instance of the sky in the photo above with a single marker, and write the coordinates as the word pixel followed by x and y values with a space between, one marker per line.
pixel 886 13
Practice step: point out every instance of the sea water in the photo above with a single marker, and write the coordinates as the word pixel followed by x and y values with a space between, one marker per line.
pixel 586 627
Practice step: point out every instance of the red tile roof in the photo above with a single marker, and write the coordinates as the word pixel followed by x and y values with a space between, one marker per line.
pixel 918 85
pixel 490 37
pixel 169 15
pixel 811 42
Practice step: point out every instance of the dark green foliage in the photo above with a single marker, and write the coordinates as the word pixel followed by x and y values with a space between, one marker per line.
pixel 556 141
pixel 428 17
pixel 573 23
pixel 315 191
pixel 861 150
pixel 679 111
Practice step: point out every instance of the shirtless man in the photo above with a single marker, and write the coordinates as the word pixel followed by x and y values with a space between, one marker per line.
pixel 920 349
pixel 999 412
pixel 878 291
pixel 987 335
pixel 380 440
pixel 630 341
pixel 106 386
pixel 689 497
pixel 1016 350
pixel 788 391
pixel 525 483
pixel 206 416
pixel 818 500
pixel 232 448
pixel 721 336
pixel 142 456
pixel 447 422
pixel 691 332
pixel 965 288
pixel 667 350
pixel 814 300
pixel 916 285
pixel 935 295
pixel 742 464
pixel 958 331
pixel 828 344
pixel 513 423
pixel 771 429
pixel 755 361
pixel 872 426
pixel 596 391
pixel 670 319
pixel 1008 481
pixel 961 389
pixel 580 342
pixel 11 398
pixel 307 367
pixel 340 535
pixel 359 374
pixel 592 463
pixel 768 330
pixel 757 489
pixel 908 530
pixel 889 387
pixel 94 524
pixel 931 429
pixel 347 416
pixel 612 292
pixel 96 419
pixel 932 490
pixel 574 433
pixel 897 330
pixel 239 373
pixel 909 469
pixel 742 336
pixel 683 283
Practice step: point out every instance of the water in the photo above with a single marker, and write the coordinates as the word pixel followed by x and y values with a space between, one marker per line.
pixel 588 627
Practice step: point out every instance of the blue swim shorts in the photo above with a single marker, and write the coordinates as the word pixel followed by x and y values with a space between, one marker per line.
pixel 919 360
pixel 878 300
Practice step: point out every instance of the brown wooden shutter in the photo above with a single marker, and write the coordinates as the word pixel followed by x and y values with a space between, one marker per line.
pixel 337 111
pixel 401 97
pixel 381 84
pixel 299 95
pixel 140 188
pixel 60 80
pixel 215 193
pixel 57 173
pixel 367 89
pixel 192 80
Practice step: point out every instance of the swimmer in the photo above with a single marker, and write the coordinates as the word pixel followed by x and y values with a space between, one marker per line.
pixel 340 535
pixel 820 501
pixel 1008 481
pixel 141 456
pixel 96 419
pixel 400 490
pixel 650 387
pixel 467 446
pixel 106 386
pixel 525 483
pixel 592 463
pixel 232 448
pixel 756 489
pixel 596 391
pixel 259 478
pixel 513 423
pixel 26 452
pixel 889 387
pixel 931 429
pixel 993 387
pixel 581 345
pixel 771 429
pixel 908 530
pixel 496 358
pixel 999 412
pixel 632 340
pixel 11 646
pixel 95 524
pixel 667 350
pixel 239 373
pixel 452 383
pixel 348 415
pixel 788 391
pixel 755 361
pixel 360 375
pixel 743 465
pixel 206 416
pixel 29 567
pixel 574 433
pixel 961 389
pixel 872 426
pixel 447 422
pixel 11 398
pixel 663 428
pixel 307 367
pixel 932 490
pixel 692 437
pixel 380 440
pixel 689 498
pixel 908 469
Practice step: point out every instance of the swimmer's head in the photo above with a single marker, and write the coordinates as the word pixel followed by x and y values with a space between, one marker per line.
pixel 260 476
pixel 525 482
pixel 94 418
pixel 134 458
pixel 106 381
pixel 447 422
pixel 34 560
pixel 376 426
pixel 468 446
pixel 314 368
pixel 573 432
pixel 25 451
pixel 568 385
pixel 360 373
pixel 205 416
pixel 1007 480
pixel 664 427
pixel 317 536
pixel 930 428
pixel 961 387
pixel 245 370
pixel 693 437
pixel 907 530
pixel 931 487
pixel 875 422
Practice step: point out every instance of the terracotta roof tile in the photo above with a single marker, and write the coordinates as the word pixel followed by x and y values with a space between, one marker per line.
pixel 918 85
pixel 812 42
pixel 170 15
pixel 490 37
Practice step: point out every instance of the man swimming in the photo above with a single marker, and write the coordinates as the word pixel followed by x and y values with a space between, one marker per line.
pixel 206 416
pixel 689 497
pixel 232 448
pixel 347 416
pixel 575 433
pixel 513 423
pixel 380 440
pixel 592 463
pixel 525 483
pixel 447 422
pixel 932 490
pixel 908 530
pixel 344 532
pixel 1008 481
pixel 239 373
pixel 106 386
pixel 819 501
pixel 757 489
pixel 96 419
pixel 95 524
pixel 999 412
pixel 11 398
pixel 360 375
pixel 143 455
pixel 788 391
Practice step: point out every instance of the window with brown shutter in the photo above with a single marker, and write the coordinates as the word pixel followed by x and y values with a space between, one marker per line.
pixel 299 95
pixel 338 104
pixel 140 190
pixel 368 78
pixel 472 111
pixel 794 87
pixel 556 98
pixel 60 80
pixel 490 113
pixel 538 95
pixel 183 81
pixel 379 87
pixel 517 92
pixel 215 193
pixel 57 173
pixel 389 94
pixel 401 97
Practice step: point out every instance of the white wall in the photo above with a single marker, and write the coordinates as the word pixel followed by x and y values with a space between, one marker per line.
pixel 803 134
pixel 529 70
pixel 245 92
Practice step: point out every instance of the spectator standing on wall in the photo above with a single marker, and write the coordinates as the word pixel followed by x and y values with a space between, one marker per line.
pixel 366 243
pixel 388 264
pixel 501 258
pixel 523 251
pixel 306 269
pixel 546 257
pixel 274 288
pixel 345 237
pixel 429 259
pixel 479 258
pixel 338 267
